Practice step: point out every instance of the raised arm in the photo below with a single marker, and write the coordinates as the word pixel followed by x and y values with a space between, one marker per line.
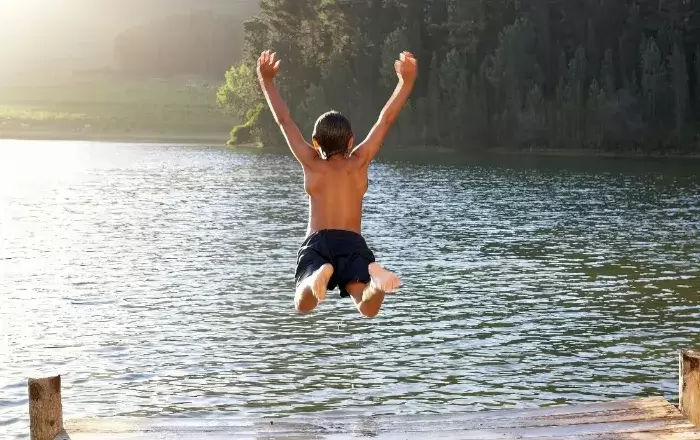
pixel 268 66
pixel 406 69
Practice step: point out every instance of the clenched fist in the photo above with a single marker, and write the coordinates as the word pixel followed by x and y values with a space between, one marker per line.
pixel 406 67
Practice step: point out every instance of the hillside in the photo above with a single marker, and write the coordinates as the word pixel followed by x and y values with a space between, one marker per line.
pixel 64 35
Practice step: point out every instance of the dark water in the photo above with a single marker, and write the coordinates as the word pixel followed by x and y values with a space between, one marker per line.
pixel 157 280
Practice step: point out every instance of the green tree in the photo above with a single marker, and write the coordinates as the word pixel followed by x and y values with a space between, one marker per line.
pixel 247 133
pixel 557 72
pixel 653 73
pixel 577 81
pixel 395 43
pixel 240 91
pixel 607 73
pixel 455 87
pixel 578 74
pixel 697 81
pixel 629 42
pixel 465 23
pixel 679 75
pixel 434 102
pixel 532 120
pixel 256 38
pixel 313 106
pixel 514 71
pixel 596 116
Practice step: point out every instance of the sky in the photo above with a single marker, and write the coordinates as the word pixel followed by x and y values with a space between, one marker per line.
pixel 79 34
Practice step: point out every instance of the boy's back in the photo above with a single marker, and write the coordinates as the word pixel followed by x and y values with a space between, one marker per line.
pixel 336 188
pixel 334 252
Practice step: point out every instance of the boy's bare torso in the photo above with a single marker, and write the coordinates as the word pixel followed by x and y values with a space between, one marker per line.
pixel 336 188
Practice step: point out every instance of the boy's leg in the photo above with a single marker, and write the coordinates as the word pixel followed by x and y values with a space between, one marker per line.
pixel 312 289
pixel 368 297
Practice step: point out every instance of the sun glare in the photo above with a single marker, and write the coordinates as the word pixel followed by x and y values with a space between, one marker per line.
pixel 17 15
pixel 36 33
pixel 21 164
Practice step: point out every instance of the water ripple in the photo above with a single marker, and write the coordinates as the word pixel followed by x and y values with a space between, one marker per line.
pixel 158 281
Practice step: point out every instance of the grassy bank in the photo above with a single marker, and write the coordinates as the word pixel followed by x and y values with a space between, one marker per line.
pixel 112 108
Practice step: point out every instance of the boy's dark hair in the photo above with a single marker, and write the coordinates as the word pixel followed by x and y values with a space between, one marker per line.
pixel 332 131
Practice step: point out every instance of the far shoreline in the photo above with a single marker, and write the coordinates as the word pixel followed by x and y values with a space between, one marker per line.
pixel 580 152
pixel 220 140
pixel 544 152
pixel 214 139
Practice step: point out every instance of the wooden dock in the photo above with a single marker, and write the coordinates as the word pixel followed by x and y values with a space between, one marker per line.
pixel 652 418
pixel 639 419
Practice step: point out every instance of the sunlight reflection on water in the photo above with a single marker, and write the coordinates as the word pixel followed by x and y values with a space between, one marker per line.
pixel 158 280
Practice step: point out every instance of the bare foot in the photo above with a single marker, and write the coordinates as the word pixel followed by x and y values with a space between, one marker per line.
pixel 382 279
pixel 318 281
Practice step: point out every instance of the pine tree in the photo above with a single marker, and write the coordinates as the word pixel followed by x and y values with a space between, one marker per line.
pixel 256 38
pixel 454 85
pixel 629 42
pixel 577 87
pixel 679 75
pixel 577 76
pixel 514 70
pixel 652 76
pixel 532 119
pixel 314 105
pixel 434 101
pixel 697 80
pixel 607 73
pixel 395 43
pixel 596 115
pixel 466 23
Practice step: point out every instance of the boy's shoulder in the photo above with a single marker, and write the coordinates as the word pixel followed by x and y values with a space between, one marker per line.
pixel 348 163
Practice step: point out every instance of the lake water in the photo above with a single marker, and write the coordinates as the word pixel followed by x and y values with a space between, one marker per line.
pixel 158 280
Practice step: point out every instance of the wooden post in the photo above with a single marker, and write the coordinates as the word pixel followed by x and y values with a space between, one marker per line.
pixel 689 384
pixel 45 410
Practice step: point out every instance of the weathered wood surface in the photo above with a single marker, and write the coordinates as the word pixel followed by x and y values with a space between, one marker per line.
pixel 689 384
pixel 45 410
pixel 651 418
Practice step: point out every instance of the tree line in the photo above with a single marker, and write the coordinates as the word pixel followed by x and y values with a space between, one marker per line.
pixel 590 74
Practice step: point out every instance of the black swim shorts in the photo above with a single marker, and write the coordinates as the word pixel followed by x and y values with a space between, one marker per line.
pixel 347 251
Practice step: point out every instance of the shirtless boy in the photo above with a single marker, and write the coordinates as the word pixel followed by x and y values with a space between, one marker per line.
pixel 335 178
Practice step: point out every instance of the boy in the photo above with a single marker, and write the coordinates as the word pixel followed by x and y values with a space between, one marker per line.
pixel 335 178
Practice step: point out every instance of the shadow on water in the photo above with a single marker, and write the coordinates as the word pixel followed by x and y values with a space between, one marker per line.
pixel 542 162
pixel 670 166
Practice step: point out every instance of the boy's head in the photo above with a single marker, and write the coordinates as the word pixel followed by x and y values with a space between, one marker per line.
pixel 332 134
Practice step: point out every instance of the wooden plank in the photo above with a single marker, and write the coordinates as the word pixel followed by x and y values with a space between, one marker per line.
pixel 640 418
pixel 640 432
pixel 45 409
pixel 689 384
pixel 638 409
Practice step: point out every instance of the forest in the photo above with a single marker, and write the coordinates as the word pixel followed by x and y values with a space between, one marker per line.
pixel 603 75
